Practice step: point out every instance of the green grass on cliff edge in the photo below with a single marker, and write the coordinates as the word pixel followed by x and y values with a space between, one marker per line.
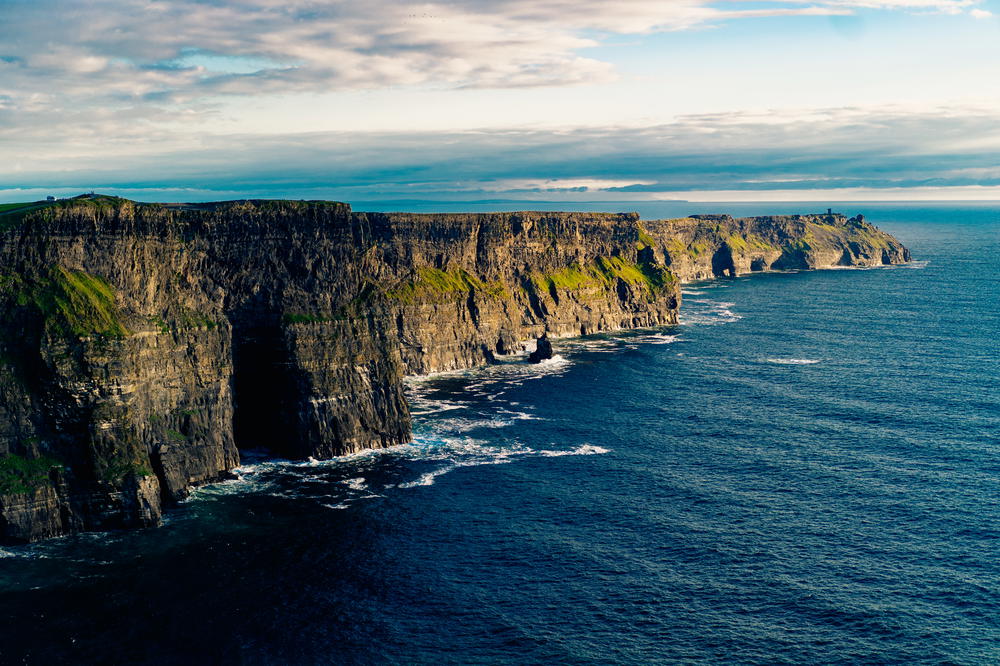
pixel 645 240
pixel 75 302
pixel 435 283
pixel 21 476
pixel 13 214
pixel 749 242
pixel 603 273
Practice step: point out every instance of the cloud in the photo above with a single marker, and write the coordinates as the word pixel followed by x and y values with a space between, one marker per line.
pixel 753 153
pixel 139 51
pixel 980 14
pixel 115 93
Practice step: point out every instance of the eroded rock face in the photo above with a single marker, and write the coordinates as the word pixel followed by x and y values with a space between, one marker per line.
pixel 706 246
pixel 141 344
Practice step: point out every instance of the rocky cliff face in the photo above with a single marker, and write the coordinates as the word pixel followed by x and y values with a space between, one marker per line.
pixel 707 246
pixel 142 345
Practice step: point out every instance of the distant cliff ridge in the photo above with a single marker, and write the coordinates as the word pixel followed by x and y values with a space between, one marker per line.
pixel 142 345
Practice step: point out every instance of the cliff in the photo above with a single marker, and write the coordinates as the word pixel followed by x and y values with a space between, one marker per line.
pixel 141 345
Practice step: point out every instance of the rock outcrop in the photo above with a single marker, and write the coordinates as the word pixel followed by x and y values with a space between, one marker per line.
pixel 543 349
pixel 142 345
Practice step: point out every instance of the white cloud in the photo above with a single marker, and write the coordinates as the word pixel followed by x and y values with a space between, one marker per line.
pixel 980 14
pixel 130 49
pixel 127 80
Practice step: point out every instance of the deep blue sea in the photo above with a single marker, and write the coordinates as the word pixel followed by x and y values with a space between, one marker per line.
pixel 806 470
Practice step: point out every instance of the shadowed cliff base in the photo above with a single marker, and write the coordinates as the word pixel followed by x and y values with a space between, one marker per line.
pixel 141 343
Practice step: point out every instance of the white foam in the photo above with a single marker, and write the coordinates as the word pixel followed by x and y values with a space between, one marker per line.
pixel 711 315
pixel 453 452
pixel 423 406
pixel 660 339
pixel 793 361
pixel 356 484
pixel 582 450
pixel 459 453
pixel 428 478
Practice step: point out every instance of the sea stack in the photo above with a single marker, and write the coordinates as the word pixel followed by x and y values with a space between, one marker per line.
pixel 543 349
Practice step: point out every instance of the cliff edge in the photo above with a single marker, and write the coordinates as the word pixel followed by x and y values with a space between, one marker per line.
pixel 142 345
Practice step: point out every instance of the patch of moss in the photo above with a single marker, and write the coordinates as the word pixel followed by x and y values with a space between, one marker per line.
pixel 436 284
pixel 176 436
pixel 74 302
pixel 159 323
pixel 868 236
pixel 675 247
pixel 116 464
pixel 616 267
pixel 656 277
pixel 748 242
pixel 21 476
pixel 603 273
pixel 799 245
pixel 696 249
pixel 187 319
pixel 737 243
pixel 645 240
pixel 572 278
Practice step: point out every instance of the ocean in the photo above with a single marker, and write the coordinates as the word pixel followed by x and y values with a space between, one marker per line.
pixel 806 470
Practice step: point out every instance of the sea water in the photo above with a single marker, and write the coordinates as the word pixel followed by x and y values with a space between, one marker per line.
pixel 805 470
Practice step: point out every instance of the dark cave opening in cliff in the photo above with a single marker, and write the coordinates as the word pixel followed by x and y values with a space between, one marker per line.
pixel 262 388
pixel 722 263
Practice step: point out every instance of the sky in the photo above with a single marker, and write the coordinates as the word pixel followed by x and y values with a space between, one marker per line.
pixel 470 100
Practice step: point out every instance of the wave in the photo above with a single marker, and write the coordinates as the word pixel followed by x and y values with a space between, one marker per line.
pixel 482 455
pixel 582 450
pixel 356 484
pixel 793 361
pixel 317 479
pixel 428 478
pixel 711 314
pixel 659 339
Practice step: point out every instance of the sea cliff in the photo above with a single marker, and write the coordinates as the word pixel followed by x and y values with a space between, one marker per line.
pixel 143 345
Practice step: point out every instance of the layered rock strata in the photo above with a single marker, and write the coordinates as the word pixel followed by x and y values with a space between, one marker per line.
pixel 142 345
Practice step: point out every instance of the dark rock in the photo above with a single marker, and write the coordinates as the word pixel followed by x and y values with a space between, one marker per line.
pixel 543 349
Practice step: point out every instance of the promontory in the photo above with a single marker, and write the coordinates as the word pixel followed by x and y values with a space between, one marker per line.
pixel 142 346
